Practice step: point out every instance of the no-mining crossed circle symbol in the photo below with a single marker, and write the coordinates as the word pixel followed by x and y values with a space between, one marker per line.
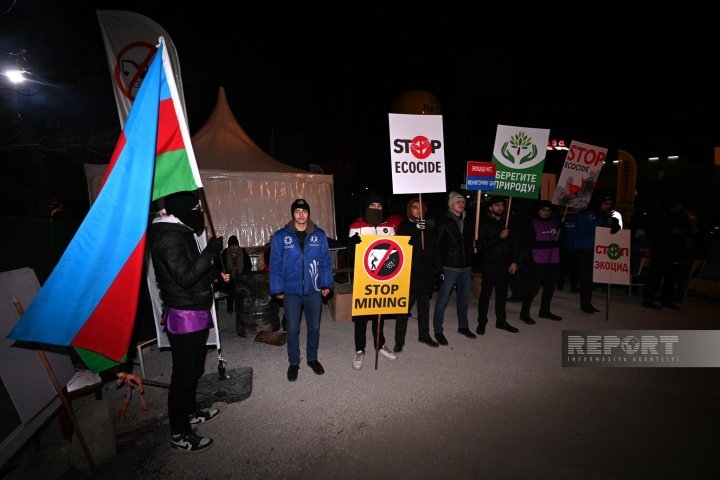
pixel 383 260
pixel 132 63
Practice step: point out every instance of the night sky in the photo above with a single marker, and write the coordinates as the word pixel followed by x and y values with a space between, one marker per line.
pixel 322 83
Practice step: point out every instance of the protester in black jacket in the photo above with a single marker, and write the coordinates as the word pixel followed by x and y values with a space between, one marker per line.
pixel 422 238
pixel 499 261
pixel 184 276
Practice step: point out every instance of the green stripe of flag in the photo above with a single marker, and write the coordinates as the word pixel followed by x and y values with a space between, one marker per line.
pixel 172 174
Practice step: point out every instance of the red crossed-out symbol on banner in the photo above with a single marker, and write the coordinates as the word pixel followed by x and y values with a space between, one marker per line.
pixel 127 66
pixel 383 260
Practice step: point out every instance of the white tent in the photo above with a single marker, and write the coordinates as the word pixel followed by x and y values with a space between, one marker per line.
pixel 249 193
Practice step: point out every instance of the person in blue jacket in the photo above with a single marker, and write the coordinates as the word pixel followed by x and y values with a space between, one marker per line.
pixel 300 275
pixel 581 231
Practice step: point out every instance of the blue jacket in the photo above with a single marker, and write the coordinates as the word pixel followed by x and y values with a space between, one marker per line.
pixel 299 272
pixel 580 229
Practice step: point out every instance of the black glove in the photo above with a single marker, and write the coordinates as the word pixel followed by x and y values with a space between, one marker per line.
pixel 354 240
pixel 421 225
pixel 214 245
pixel 614 226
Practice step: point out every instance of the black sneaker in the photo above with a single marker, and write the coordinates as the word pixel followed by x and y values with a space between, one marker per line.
pixel 480 330
pixel 549 316
pixel 588 310
pixel 316 367
pixel 204 416
pixel 189 443
pixel 441 338
pixel 398 347
pixel 527 319
pixel 428 341
pixel 466 332
pixel 292 373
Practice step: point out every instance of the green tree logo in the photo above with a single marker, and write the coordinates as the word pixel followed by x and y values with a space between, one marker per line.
pixel 519 157
pixel 613 251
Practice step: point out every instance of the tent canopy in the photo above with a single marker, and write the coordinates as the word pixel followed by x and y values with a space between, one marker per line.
pixel 249 193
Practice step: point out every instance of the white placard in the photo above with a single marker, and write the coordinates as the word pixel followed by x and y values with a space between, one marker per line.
pixel 417 153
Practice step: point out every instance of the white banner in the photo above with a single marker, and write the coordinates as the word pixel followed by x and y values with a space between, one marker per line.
pixel 131 41
pixel 579 175
pixel 417 153
pixel 611 261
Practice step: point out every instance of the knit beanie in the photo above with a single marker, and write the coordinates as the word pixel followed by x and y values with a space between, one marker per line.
pixel 299 203
pixel 453 198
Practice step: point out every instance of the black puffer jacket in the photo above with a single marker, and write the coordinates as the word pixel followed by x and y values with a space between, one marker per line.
pixel 454 248
pixel 184 275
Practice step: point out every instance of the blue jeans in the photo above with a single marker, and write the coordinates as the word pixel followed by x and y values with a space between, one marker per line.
pixel 294 307
pixel 463 280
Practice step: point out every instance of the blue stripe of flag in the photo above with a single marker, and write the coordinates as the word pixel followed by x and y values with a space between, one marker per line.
pixel 110 232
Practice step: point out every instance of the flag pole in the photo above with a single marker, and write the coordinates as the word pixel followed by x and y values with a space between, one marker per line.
pixel 206 207
pixel 56 385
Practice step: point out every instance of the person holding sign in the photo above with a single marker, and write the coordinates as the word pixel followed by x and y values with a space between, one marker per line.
pixel 585 223
pixel 544 262
pixel 372 222
pixel 300 275
pixel 454 253
pixel 499 251
pixel 422 273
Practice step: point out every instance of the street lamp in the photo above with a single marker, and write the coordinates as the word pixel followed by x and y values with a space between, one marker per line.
pixel 15 76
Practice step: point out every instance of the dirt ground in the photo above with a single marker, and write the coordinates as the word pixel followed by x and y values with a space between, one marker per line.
pixel 499 406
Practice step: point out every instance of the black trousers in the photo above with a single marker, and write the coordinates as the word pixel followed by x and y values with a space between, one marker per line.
pixel 423 315
pixel 543 275
pixel 361 322
pixel 188 358
pixel 494 276
pixel 585 274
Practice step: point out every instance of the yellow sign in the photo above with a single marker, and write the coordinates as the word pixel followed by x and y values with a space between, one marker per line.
pixel 382 275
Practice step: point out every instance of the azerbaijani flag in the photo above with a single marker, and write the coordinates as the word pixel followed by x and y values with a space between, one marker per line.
pixel 90 299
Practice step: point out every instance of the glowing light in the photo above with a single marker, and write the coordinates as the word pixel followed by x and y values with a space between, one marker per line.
pixel 15 76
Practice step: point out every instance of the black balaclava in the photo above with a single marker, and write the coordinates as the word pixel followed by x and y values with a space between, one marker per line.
pixel 374 216
pixel 181 205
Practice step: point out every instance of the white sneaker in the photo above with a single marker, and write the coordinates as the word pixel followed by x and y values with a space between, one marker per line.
pixel 190 443
pixel 385 352
pixel 358 360
pixel 203 416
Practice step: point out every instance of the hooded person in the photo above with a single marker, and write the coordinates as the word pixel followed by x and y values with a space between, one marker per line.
pixel 372 222
pixel 184 276
pixel 454 254
pixel 185 206
pixel 301 275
